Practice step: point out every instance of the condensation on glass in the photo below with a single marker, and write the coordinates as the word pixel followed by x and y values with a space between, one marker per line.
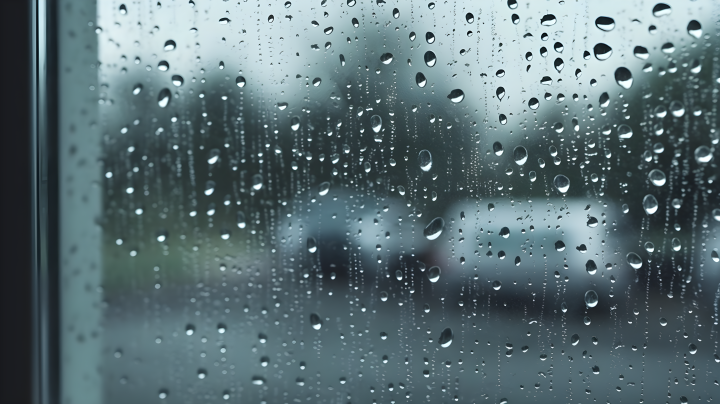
pixel 375 201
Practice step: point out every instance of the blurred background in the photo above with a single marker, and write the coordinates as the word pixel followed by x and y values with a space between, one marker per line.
pixel 371 201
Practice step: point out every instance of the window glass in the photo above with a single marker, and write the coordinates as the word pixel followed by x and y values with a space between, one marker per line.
pixel 376 201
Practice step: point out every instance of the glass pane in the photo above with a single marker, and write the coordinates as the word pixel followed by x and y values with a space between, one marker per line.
pixel 367 201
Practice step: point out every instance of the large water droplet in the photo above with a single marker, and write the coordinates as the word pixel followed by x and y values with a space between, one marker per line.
pixel 694 29
pixel 496 285
pixel 177 80
pixel 456 95
pixel 324 188
pixel 661 9
pixel 657 177
pixel 634 260
pixel 430 58
pixel 386 58
pixel 433 274
pixel 429 37
pixel 641 52
pixel 500 93
pixel 650 204
pixel 591 298
pixel 623 77
pixel 446 337
pixel 295 123
pixel 624 131
pixel 311 244
pixel 574 339
pixel 434 228
pixel 257 182
pixel 169 45
pixel 605 23
pixel 562 183
pixel 420 80
pixel 240 81
pixel 520 155
pixel 164 98
pixel 602 51
pixel 425 160
pixel 548 20
pixel 469 17
pixel 240 219
pixel 559 64
pixel 376 123
pixel 498 148
pixel 315 321
pixel 703 154
pixel 591 267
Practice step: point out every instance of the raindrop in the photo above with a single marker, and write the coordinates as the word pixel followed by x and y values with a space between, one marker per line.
pixel 500 93
pixel 624 131
pixel 641 52
pixel 433 274
pixel 240 81
pixel 396 13
pixel 591 267
pixel 324 188
pixel 429 37
pixel 602 51
pixel 498 148
pixel 677 109
pixel 312 245
pixel 164 98
pixel 351 3
pixel 430 58
pixel 328 30
pixel 446 338
pixel 559 64
pixel 703 154
pixel 562 183
pixel 470 18
pixel 559 246
pixel 355 22
pixel 386 58
pixel 520 155
pixel 317 81
pixel 434 228
pixel 123 9
pixel 657 177
pixel 257 182
pixel 504 232
pixel 376 123
pixel 496 285
pixel 240 219
pixel 605 23
pixel 634 260
pixel 295 123
pixel 512 4
pixel 574 339
pixel 661 9
pixel 676 245
pixel 137 89
pixel 591 298
pixel 650 204
pixel 177 80
pixel 694 29
pixel 425 160
pixel 623 77
pixel 456 95
pixel 692 348
pixel 533 103
pixel 548 20
pixel 315 321
pixel 420 80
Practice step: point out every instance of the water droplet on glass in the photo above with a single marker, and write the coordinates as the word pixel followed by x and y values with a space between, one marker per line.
pixel 386 58
pixel 433 274
pixel 559 245
pixel 137 89
pixel 396 13
pixel 650 204
pixel 420 80
pixel 661 9
pixel 574 339
pixel 591 267
pixel 315 321
pixel 559 64
pixel 634 260
pixel 295 123
pixel 240 81
pixel 311 245
pixel 496 285
pixel 446 337
pixel 240 219
pixel 456 95
pixel 591 298
pixel 164 98
pixel 258 380
pixel 623 77
pixel 533 103
pixel 177 80
pixel 376 123
pixel 694 29
pixel 520 155
pixel 257 182
pixel 498 148
pixel 504 232
pixel 548 20
pixel 561 183
pixel 657 177
pixel 470 18
pixel 703 154
pixel 434 228
pixel 324 188
pixel 602 51
pixel 624 131
pixel 605 23
pixel 430 58
pixel 425 160
pixel 317 81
